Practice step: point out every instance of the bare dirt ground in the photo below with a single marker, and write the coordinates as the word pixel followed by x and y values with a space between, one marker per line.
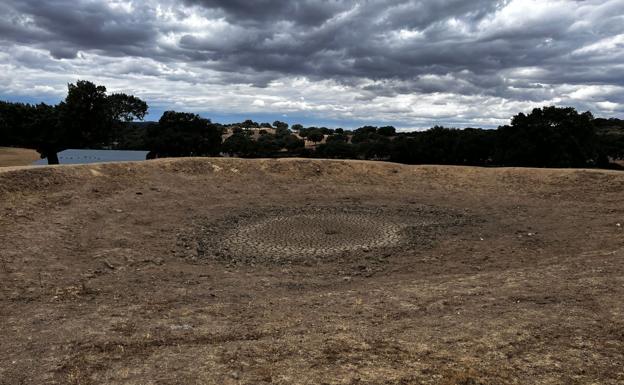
pixel 228 271
pixel 10 156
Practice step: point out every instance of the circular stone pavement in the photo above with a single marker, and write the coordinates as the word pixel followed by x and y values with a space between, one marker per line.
pixel 292 235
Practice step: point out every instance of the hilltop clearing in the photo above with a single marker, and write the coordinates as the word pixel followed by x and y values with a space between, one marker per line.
pixel 293 271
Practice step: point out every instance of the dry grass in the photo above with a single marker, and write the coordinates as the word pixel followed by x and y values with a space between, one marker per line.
pixel 102 282
pixel 10 156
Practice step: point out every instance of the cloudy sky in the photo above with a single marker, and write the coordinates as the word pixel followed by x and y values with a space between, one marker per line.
pixel 326 62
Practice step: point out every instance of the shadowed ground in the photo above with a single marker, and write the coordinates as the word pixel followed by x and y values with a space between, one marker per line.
pixel 356 273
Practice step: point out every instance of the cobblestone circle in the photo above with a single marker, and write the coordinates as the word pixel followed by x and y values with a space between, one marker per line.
pixel 294 235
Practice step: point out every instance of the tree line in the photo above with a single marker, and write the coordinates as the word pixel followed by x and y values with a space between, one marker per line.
pixel 89 117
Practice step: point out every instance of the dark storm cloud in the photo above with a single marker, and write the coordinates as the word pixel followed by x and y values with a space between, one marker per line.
pixel 66 26
pixel 514 50
pixel 354 39
pixel 306 12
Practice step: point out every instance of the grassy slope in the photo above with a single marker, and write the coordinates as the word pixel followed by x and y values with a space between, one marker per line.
pixel 10 156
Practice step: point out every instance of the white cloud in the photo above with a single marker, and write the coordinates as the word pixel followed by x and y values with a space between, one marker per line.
pixel 606 45
pixel 412 63
pixel 609 106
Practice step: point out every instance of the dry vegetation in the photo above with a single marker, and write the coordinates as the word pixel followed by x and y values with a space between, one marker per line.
pixel 114 274
pixel 10 156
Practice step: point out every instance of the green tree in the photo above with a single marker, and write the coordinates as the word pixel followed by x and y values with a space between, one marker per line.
pixel 282 131
pixel 293 143
pixel 337 138
pixel 611 137
pixel 43 126
pixel 549 137
pixel 315 135
pixel 16 124
pixel 86 118
pixel 278 124
pixel 267 145
pixel 249 124
pixel 183 134
pixel 336 149
pixel 239 144
pixel 386 131
pixel 125 109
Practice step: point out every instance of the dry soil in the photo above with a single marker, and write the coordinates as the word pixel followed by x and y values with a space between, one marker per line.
pixel 229 271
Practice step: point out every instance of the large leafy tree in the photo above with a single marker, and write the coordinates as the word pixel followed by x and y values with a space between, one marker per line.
pixel 240 144
pixel 386 131
pixel 14 124
pixel 315 135
pixel 43 127
pixel 83 121
pixel 280 124
pixel 292 143
pixel 183 134
pixel 88 117
pixel 549 137
pixel 124 109
pixel 611 136
pixel 337 149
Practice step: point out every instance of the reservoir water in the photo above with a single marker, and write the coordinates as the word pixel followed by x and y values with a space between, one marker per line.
pixel 74 156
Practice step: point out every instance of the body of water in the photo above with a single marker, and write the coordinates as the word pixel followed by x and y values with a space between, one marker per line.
pixel 73 156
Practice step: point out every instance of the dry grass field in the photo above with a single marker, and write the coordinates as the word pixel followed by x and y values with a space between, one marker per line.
pixel 230 271
pixel 10 156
